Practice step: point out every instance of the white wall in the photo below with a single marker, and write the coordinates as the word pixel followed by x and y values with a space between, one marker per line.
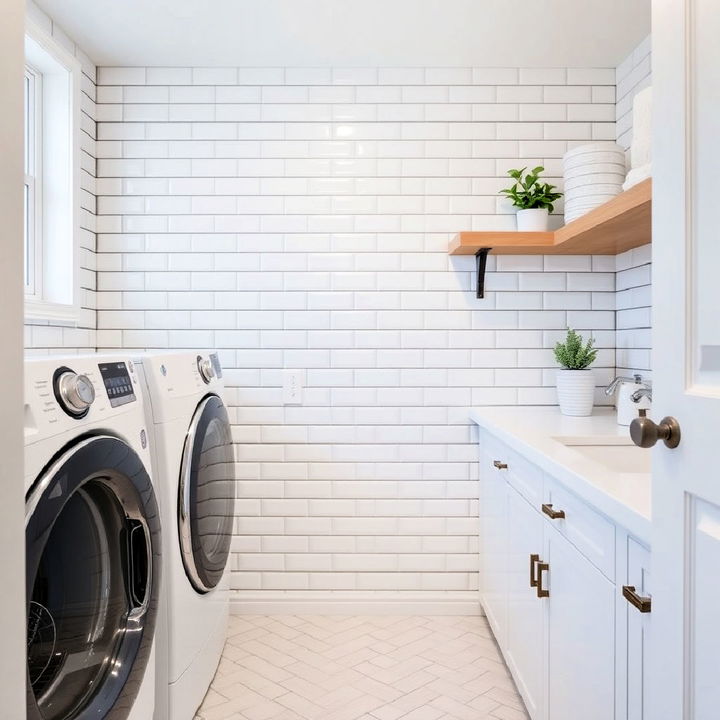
pixel 42 337
pixel 634 302
pixel 299 218
pixel 12 531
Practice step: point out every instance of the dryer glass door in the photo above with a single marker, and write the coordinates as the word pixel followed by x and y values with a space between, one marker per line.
pixel 92 537
pixel 206 501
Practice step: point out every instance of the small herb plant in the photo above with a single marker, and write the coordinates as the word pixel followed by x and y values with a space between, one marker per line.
pixel 528 192
pixel 573 355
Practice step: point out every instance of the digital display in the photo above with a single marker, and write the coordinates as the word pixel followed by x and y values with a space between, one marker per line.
pixel 118 385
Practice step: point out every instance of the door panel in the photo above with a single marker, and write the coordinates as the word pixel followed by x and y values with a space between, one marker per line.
pixel 704 300
pixel 92 548
pixel 581 635
pixel 206 498
pixel 703 608
pixel 526 612
pixel 638 629
pixel 493 547
pixel 686 358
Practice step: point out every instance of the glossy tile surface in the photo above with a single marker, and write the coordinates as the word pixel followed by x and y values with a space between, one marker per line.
pixel 285 667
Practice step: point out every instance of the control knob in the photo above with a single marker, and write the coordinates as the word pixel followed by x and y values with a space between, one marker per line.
pixel 76 392
pixel 207 371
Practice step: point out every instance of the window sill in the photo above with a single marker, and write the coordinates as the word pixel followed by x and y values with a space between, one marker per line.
pixel 45 313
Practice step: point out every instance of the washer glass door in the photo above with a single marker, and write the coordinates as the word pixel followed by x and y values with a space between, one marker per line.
pixel 92 532
pixel 206 500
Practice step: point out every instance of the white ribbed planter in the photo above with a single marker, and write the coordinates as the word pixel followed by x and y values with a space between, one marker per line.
pixel 576 389
pixel 533 220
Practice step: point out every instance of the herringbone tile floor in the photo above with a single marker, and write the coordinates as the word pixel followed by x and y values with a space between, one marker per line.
pixel 284 667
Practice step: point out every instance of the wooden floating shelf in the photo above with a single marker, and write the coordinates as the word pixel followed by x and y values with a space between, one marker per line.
pixel 619 225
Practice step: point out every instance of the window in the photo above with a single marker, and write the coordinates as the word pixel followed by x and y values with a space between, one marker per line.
pixel 51 192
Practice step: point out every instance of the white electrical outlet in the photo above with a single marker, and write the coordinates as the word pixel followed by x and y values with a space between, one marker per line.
pixel 293 383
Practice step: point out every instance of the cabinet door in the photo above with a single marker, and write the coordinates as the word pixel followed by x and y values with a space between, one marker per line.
pixel 525 650
pixel 638 630
pixel 580 635
pixel 493 547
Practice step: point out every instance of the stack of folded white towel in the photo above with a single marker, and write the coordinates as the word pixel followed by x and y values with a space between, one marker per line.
pixel 640 150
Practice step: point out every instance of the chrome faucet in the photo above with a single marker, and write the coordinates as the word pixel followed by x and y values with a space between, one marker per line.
pixel 636 379
pixel 644 392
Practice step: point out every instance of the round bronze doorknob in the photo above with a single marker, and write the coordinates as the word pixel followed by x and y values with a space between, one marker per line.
pixel 645 433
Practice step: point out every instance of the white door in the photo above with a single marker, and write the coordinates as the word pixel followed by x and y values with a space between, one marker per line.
pixel 525 650
pixel 580 635
pixel 685 636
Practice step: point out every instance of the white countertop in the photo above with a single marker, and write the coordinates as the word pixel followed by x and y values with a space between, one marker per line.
pixel 623 497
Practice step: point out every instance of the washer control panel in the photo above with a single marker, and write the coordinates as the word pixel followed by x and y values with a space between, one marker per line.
pixel 118 385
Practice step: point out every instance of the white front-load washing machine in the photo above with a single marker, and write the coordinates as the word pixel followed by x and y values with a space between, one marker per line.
pixel 92 542
pixel 193 463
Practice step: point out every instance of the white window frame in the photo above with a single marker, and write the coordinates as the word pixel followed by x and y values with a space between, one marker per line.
pixel 53 293
pixel 33 171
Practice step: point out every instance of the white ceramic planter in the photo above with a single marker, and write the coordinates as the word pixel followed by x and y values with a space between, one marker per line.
pixel 533 220
pixel 576 389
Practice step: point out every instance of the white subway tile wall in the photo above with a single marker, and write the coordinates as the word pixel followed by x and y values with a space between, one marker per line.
pixel 634 301
pixel 299 218
pixel 42 337
pixel 632 75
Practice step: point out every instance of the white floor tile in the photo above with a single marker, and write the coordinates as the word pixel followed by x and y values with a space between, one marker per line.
pixel 361 668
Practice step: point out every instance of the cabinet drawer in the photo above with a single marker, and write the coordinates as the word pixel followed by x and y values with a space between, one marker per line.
pixel 586 529
pixel 527 479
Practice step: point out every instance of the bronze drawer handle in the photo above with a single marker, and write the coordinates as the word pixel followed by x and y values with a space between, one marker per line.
pixel 533 578
pixel 547 508
pixel 541 591
pixel 500 465
pixel 643 604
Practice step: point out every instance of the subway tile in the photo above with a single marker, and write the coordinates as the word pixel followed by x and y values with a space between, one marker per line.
pixel 214 76
pixel 168 76
pixel 121 76
pixel 341 209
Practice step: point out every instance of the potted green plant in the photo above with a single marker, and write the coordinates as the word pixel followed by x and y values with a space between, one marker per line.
pixel 534 199
pixel 575 380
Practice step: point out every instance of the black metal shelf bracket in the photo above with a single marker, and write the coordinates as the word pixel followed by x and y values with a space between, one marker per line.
pixel 481 261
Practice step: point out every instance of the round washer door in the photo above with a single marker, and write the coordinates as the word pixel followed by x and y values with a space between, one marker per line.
pixel 206 497
pixel 92 536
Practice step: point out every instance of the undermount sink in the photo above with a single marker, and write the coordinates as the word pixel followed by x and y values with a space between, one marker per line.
pixel 614 452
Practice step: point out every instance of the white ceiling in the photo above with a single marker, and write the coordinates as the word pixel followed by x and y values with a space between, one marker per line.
pixel 354 33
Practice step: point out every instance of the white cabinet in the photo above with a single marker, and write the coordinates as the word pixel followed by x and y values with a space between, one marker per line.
pixel 581 635
pixel 493 545
pixel 552 575
pixel 525 611
pixel 638 629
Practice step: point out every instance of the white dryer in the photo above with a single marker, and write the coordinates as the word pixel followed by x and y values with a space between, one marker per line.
pixel 92 542
pixel 194 466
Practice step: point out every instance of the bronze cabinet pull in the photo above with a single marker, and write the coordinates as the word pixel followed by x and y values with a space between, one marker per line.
pixel 541 591
pixel 643 604
pixel 533 578
pixel 500 465
pixel 547 508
